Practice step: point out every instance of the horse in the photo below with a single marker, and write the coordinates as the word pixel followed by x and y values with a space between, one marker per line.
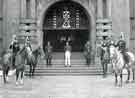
pixel 118 63
pixel 32 60
pixel 6 64
pixel 21 58
pixel 105 59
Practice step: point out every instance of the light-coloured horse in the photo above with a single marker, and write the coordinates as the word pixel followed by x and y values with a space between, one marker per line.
pixel 119 63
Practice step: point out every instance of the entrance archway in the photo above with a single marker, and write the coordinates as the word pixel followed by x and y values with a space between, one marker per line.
pixel 77 32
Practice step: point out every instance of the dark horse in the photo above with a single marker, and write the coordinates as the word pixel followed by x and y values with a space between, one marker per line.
pixel 32 60
pixel 6 64
pixel 24 57
pixel 105 58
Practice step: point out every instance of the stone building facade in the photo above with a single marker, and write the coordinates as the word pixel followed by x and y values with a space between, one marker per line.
pixel 33 18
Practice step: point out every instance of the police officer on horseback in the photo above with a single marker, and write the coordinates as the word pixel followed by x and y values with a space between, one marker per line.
pixel 27 43
pixel 121 44
pixel 87 52
pixel 15 47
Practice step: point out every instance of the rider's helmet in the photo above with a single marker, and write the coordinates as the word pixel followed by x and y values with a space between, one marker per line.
pixel 121 44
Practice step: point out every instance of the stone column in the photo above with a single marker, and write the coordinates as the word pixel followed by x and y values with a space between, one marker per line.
pixel 99 8
pixel 33 9
pixel 99 16
pixel 22 9
pixel 109 8
pixel 109 14
pixel 99 31
pixel 33 25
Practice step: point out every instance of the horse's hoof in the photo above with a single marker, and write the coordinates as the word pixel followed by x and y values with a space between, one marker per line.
pixel 17 83
pixel 21 82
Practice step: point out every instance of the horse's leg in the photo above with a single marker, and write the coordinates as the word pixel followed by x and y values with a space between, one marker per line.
pixel 29 70
pixel 17 76
pixel 7 71
pixel 128 77
pixel 22 75
pixel 4 75
pixel 105 69
pixel 103 66
pixel 116 81
pixel 121 78
pixel 133 74
pixel 33 71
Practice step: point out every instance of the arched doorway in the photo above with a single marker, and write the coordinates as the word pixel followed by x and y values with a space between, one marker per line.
pixel 58 29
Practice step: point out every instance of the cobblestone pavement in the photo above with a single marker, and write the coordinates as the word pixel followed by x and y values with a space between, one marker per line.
pixel 67 87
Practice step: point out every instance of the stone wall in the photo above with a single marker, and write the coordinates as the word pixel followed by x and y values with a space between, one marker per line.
pixel 132 25
pixel 11 15
pixel 10 20
pixel 120 18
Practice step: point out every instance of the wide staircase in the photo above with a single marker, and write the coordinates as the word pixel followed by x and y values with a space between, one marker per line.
pixel 78 66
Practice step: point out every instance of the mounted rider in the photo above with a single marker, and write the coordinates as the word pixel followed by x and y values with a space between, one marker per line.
pixel 15 47
pixel 28 45
pixel 121 44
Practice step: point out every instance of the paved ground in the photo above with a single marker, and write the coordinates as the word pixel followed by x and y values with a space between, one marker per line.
pixel 66 87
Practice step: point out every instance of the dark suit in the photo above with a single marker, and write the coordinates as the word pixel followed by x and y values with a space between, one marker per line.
pixel 87 53
pixel 48 54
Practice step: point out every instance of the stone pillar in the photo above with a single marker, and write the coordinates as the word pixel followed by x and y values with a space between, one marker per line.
pixel 33 25
pixel 99 29
pixel 99 16
pixel 109 14
pixel 99 8
pixel 109 9
pixel 33 9
pixel 22 9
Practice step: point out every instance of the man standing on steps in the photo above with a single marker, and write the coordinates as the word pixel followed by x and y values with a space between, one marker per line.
pixel 67 49
pixel 48 53
pixel 87 52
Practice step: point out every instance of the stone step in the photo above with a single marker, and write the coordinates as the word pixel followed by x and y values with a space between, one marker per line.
pixel 42 70
pixel 68 68
pixel 62 61
pixel 64 74
pixel 74 55
pixel 78 66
